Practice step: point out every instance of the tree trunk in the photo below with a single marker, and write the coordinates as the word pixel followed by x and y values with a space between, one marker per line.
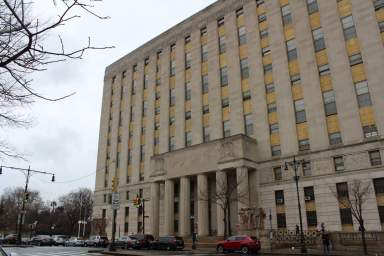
pixel 225 223
pixel 229 220
pixel 362 230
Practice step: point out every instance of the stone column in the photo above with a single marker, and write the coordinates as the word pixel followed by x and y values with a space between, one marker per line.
pixel 202 205
pixel 169 204
pixel 242 188
pixel 155 200
pixel 185 207
pixel 221 186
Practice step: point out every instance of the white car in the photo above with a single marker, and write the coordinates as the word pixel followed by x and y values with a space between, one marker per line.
pixel 74 241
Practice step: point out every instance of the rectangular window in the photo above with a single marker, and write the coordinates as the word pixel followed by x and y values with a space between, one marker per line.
pixel 379 185
pixel 381 26
pixel 362 91
pixel 222 45
pixel 304 145
pixel 324 70
pixel 286 14
pixel 172 68
pixel 223 76
pixel 312 6
pixel 276 150
pixel 300 111
pixel 335 138
pixel 172 97
pixel 265 51
pixel 188 60
pixel 271 107
pixel 281 222
pixel 244 68
pixel 204 80
pixel 226 129
pixel 311 218
pixel 188 139
pixel 307 168
pixel 262 17
pixel 156 141
pixel 145 83
pixel 104 213
pixel 135 68
pixel 370 131
pixel 338 162
pixel 171 120
pixel 142 153
pixel 295 79
pixel 171 143
pixel 348 27
pixel 205 109
pixel 355 59
pixel 267 68
pixel 318 39
pixel 279 197
pixel 263 34
pixel 274 128
pixel 187 115
pixel 291 50
pixel 188 91
pixel 277 173
pixel 225 102
pixel 309 194
pixel 134 87
pixel 346 216
pixel 375 157
pixel 157 126
pixel 270 88
pixel 379 4
pixel 203 31
pixel 242 35
pixel 329 103
pixel 158 81
pixel 259 2
pixel 206 134
pixel 342 190
pixel 246 95
pixel 248 125
pixel 145 108
pixel 204 53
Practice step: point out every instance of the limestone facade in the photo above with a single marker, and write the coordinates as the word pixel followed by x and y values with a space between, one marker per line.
pixel 231 94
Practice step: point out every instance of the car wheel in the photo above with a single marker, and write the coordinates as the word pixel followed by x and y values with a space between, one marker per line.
pixel 244 250
pixel 220 249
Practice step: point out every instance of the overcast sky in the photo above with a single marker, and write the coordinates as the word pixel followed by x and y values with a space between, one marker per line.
pixel 64 135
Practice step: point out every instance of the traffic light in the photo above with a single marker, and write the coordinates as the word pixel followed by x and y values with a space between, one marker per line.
pixel 115 184
pixel 26 196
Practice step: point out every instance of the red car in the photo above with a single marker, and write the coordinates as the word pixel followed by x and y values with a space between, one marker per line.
pixel 242 243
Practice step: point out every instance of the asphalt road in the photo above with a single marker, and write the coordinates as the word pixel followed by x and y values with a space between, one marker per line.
pixel 50 251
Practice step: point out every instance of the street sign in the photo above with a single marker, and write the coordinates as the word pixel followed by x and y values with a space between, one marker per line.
pixel 115 201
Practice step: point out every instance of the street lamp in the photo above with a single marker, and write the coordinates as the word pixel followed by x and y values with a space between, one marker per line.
pixel 295 164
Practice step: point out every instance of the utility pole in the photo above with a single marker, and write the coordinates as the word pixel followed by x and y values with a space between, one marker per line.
pixel 295 164
pixel 27 172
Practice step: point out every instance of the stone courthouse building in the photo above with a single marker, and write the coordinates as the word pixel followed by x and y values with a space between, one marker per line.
pixel 227 97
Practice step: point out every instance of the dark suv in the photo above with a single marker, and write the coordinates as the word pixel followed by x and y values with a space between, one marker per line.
pixel 142 241
pixel 168 243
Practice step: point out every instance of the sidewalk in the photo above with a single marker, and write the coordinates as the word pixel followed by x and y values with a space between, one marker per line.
pixel 207 251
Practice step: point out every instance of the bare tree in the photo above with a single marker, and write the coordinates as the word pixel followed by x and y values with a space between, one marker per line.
pixel 225 195
pixel 25 49
pixel 354 199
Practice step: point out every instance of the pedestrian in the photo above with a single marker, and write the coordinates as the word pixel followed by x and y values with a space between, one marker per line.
pixel 326 243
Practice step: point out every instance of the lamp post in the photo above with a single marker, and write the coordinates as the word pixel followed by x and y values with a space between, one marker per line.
pixel 295 164
pixel 28 173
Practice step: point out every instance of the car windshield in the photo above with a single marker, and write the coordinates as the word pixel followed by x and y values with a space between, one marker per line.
pixel 253 238
pixel 92 238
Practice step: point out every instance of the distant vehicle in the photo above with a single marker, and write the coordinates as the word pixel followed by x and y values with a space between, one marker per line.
pixel 10 239
pixel 41 240
pixel 74 242
pixel 242 243
pixel 168 243
pixel 142 241
pixel 98 241
pixel 125 242
pixel 59 239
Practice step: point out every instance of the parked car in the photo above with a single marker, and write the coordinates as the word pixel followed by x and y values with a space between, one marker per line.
pixel 142 241
pixel 10 239
pixel 98 241
pixel 41 240
pixel 125 242
pixel 59 240
pixel 74 242
pixel 168 243
pixel 241 243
